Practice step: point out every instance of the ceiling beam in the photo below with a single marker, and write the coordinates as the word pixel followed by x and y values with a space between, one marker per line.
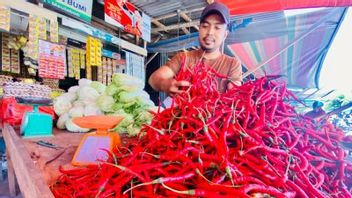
pixel 185 30
pixel 175 14
pixel 176 26
pixel 160 25
pixel 188 19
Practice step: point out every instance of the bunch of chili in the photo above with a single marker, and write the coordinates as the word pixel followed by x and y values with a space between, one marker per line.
pixel 246 142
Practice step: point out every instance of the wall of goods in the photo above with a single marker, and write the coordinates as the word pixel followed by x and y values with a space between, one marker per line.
pixel 39 51
pixel 57 61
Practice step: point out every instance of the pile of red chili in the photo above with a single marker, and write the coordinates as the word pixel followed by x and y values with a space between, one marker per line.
pixel 247 142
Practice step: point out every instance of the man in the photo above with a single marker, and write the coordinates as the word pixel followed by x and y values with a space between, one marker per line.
pixel 317 111
pixel 212 33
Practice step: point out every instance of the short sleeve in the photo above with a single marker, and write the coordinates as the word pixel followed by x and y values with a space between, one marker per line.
pixel 235 73
pixel 175 63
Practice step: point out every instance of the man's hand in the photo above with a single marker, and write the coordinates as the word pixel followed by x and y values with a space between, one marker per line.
pixel 172 86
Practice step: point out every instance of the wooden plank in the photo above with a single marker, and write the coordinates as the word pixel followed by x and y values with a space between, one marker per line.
pixel 11 176
pixel 29 178
pixel 175 14
pixel 176 26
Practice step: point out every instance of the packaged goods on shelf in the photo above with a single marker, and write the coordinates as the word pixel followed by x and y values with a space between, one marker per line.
pixel 24 90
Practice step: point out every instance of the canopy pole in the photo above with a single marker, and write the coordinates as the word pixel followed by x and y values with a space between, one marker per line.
pixel 310 30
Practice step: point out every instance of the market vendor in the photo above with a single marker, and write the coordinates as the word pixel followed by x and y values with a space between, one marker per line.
pixel 317 111
pixel 213 31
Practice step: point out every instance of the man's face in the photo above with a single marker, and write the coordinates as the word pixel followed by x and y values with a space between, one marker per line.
pixel 212 32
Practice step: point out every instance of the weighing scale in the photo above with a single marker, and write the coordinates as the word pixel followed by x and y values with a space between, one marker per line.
pixel 36 124
pixel 95 145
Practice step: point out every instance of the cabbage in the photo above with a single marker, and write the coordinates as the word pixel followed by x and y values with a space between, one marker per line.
pixel 90 110
pixel 98 86
pixel 143 117
pixel 62 121
pixel 76 112
pixel 146 102
pixel 61 105
pixel 130 96
pixel 84 82
pixel 73 89
pixel 88 94
pixel 105 103
pixel 118 112
pixel 111 89
pixel 78 103
pixel 132 131
pixel 127 120
pixel 133 88
pixel 117 106
pixel 69 96
pixel 120 79
pixel 70 126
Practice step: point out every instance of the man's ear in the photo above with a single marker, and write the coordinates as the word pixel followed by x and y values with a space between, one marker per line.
pixel 226 34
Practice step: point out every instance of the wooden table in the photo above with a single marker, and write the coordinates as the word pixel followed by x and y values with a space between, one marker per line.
pixel 32 165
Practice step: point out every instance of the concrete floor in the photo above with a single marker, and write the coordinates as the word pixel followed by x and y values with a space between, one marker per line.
pixel 4 190
pixel 4 187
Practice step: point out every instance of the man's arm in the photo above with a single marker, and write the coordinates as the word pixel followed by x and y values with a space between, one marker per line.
pixel 235 75
pixel 163 80
pixel 157 78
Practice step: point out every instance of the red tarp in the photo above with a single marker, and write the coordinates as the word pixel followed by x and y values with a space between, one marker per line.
pixel 239 7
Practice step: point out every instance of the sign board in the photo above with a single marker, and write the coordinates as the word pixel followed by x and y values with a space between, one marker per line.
pixel 80 8
pixel 135 65
pixel 127 17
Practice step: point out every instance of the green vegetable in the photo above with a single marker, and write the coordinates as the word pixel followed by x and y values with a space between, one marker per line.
pixel 76 112
pixel 88 94
pixel 111 89
pixel 62 121
pixel 106 103
pixel 61 105
pixel 70 126
pixel 98 86
pixel 84 82
pixel 120 79
pixel 133 96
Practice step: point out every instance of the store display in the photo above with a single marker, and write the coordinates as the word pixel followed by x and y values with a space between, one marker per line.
pixel 104 71
pixel 16 42
pixel 93 52
pixel 5 79
pixel 82 56
pixel 25 90
pixel 32 45
pixel 69 62
pixel 109 70
pixel 52 59
pixel 41 28
pixel 5 53
pixel 54 31
pixel 5 14
pixel 100 71
pixel 74 62
pixel 10 45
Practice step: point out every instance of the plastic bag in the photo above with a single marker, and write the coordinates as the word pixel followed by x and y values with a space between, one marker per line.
pixel 12 113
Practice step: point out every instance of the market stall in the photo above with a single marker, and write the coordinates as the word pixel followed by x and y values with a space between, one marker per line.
pixel 78 122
